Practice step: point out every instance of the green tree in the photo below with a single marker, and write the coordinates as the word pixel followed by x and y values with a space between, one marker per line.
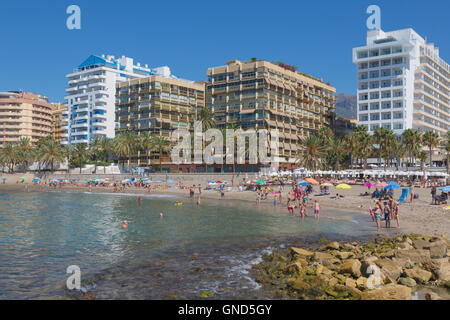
pixel 80 154
pixel 9 155
pixel 162 145
pixel 146 144
pixel 125 145
pixel 431 140
pixel 311 152
pixel 412 141
pixel 51 152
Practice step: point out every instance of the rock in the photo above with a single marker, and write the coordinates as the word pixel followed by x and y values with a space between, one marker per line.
pixel 438 250
pixel 405 245
pixel 325 258
pixel 432 296
pixel 403 262
pixel 387 254
pixel 302 252
pixel 319 269
pixel 346 290
pixel 205 294
pixel 351 266
pixel 409 282
pixel 395 292
pixel 361 282
pixel 418 256
pixel 349 282
pixel 420 244
pixel 389 268
pixel 344 255
pixel 420 275
pixel 443 272
pixel 295 267
pixel 333 245
pixel 300 284
pixel 332 282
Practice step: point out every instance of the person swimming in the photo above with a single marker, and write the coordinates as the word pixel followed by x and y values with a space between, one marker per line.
pixel 161 215
pixel 125 224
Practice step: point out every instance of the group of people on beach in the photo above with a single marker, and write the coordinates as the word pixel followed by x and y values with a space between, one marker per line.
pixel 388 210
pixel 298 198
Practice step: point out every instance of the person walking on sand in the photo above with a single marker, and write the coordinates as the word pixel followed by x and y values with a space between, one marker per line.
pixel 396 214
pixel 411 193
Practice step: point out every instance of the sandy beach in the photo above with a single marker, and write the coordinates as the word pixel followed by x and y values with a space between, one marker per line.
pixel 419 217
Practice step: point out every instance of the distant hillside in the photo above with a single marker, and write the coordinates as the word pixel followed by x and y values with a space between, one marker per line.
pixel 346 106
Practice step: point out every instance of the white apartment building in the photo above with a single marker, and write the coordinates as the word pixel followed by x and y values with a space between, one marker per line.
pixel 91 95
pixel 402 83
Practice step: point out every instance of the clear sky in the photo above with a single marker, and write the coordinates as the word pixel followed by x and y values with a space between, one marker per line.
pixel 37 50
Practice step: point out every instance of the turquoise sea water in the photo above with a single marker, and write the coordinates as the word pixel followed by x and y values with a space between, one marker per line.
pixel 191 249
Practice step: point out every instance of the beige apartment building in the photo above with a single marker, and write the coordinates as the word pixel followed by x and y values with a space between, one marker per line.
pixel 24 114
pixel 58 121
pixel 262 95
pixel 159 105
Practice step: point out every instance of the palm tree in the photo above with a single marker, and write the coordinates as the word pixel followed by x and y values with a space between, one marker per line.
pixel 431 140
pixel 412 140
pixel 206 116
pixel 160 144
pixel 447 149
pixel 9 155
pixel 364 147
pixel 125 145
pixel 146 139
pixel 51 152
pixel 105 148
pixel 24 151
pixel 95 151
pixel 80 154
pixel 351 144
pixel 68 154
pixel 422 156
pixel 338 152
pixel 379 138
pixel 311 152
pixel 398 152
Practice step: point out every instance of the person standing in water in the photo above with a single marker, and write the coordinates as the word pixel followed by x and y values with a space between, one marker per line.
pixel 316 209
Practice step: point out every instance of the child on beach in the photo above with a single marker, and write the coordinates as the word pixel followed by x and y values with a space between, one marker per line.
pixel 258 196
pixel 275 200
pixel 316 209
pixel 290 207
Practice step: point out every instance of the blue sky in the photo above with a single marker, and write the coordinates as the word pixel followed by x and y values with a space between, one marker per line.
pixel 37 50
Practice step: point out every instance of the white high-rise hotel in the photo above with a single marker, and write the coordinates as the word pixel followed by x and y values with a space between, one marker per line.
pixel 402 83
pixel 91 95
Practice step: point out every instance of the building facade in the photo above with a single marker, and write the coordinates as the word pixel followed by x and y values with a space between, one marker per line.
pixel 402 83
pixel 158 105
pixel 258 94
pixel 91 95
pixel 58 122
pixel 343 126
pixel 24 115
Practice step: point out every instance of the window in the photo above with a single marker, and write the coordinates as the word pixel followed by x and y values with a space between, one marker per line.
pixel 386 116
pixel 363 107
pixel 387 126
pixel 374 116
pixel 398 126
pixel 398 115
pixel 373 127
pixel 386 105
pixel 363 117
pixel 374 106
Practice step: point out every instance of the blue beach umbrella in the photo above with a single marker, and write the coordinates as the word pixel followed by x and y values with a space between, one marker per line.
pixel 303 183
pixel 392 186
pixel 445 189
pixel 169 181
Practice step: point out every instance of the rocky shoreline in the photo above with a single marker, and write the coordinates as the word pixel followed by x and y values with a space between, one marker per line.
pixel 381 269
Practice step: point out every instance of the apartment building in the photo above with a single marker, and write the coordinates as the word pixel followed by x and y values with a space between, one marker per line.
pixel 402 83
pixel 158 105
pixel 259 94
pixel 91 95
pixel 24 114
pixel 58 122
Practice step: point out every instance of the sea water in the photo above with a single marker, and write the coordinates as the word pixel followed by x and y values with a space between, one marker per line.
pixel 192 248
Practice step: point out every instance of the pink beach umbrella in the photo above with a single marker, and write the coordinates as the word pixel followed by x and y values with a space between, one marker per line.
pixel 369 185
pixel 381 185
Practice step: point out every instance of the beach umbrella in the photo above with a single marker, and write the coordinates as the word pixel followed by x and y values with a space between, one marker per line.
pixel 369 185
pixel 343 186
pixel 445 189
pixel 391 186
pixel 327 184
pixel 36 180
pixel 381 185
pixel 261 182
pixel 447 208
pixel 311 180
pixel 303 183
pixel 23 178
pixel 169 181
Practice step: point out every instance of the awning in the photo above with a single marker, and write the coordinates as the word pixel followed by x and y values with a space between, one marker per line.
pixel 247 111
